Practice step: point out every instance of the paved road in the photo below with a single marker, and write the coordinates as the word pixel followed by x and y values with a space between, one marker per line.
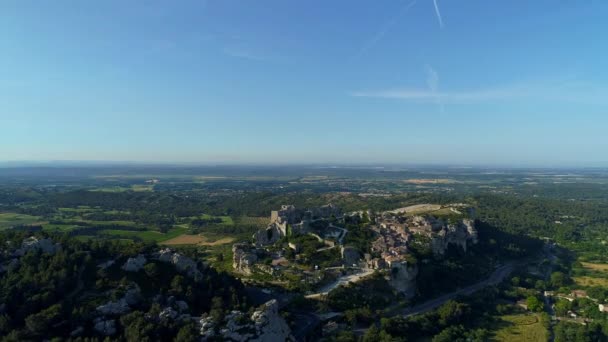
pixel 496 277
pixel 350 278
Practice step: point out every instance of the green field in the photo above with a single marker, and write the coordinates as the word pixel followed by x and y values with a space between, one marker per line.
pixel 79 209
pixel 48 227
pixel 8 220
pixel 226 220
pixel 148 235
pixel 520 328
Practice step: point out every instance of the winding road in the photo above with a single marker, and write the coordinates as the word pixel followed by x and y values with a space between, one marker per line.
pixel 496 277
pixel 343 280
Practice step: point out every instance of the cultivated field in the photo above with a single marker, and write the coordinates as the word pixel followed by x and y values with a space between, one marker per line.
pixel 8 220
pixel 591 281
pixel 199 240
pixel 595 267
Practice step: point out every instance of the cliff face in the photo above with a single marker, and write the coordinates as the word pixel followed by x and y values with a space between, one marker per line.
pixel 243 258
pixel 461 234
pixel 403 277
pixel 269 325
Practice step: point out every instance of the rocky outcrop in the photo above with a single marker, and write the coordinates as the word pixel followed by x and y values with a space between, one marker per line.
pixel 402 277
pixel 167 313
pixel 181 262
pixel 269 325
pixel 270 234
pixel 105 327
pixel 33 243
pixel 243 258
pixel 460 234
pixel 264 325
pixel 123 305
pixel 114 308
pixel 134 264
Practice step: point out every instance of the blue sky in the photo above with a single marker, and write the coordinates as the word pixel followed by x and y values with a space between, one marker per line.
pixel 445 81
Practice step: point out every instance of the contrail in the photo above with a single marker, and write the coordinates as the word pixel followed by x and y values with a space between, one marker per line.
pixel 438 14
pixel 384 29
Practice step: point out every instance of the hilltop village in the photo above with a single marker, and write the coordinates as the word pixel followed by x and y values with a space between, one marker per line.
pixel 311 244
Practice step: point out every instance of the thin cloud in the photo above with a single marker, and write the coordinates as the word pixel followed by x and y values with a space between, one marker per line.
pixel 545 91
pixel 438 14
pixel 432 81
pixel 246 53
pixel 384 29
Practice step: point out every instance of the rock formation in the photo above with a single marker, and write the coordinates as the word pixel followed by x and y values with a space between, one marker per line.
pixel 243 258
pixel 32 242
pixel 264 325
pixel 123 305
pixel 403 277
pixel 105 327
pixel 134 264
pixel 269 325
pixel 181 262
pixel 460 234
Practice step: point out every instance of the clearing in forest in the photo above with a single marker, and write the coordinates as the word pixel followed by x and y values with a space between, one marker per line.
pixel 521 327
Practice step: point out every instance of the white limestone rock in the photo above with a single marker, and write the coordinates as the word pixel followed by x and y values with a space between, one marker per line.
pixel 403 277
pixel 243 258
pixel 264 325
pixel 269 325
pixel 123 305
pixel 114 308
pixel 167 313
pixel 461 234
pixel 134 264
pixel 181 262
pixel 207 327
pixel 32 242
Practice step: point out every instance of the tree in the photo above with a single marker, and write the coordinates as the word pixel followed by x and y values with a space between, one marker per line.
pixel 515 281
pixel 187 333
pixel 217 309
pixel 137 327
pixel 454 333
pixel 534 304
pixel 451 312
pixel 562 307
pixel 558 279
pixel 39 323
pixel 151 270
